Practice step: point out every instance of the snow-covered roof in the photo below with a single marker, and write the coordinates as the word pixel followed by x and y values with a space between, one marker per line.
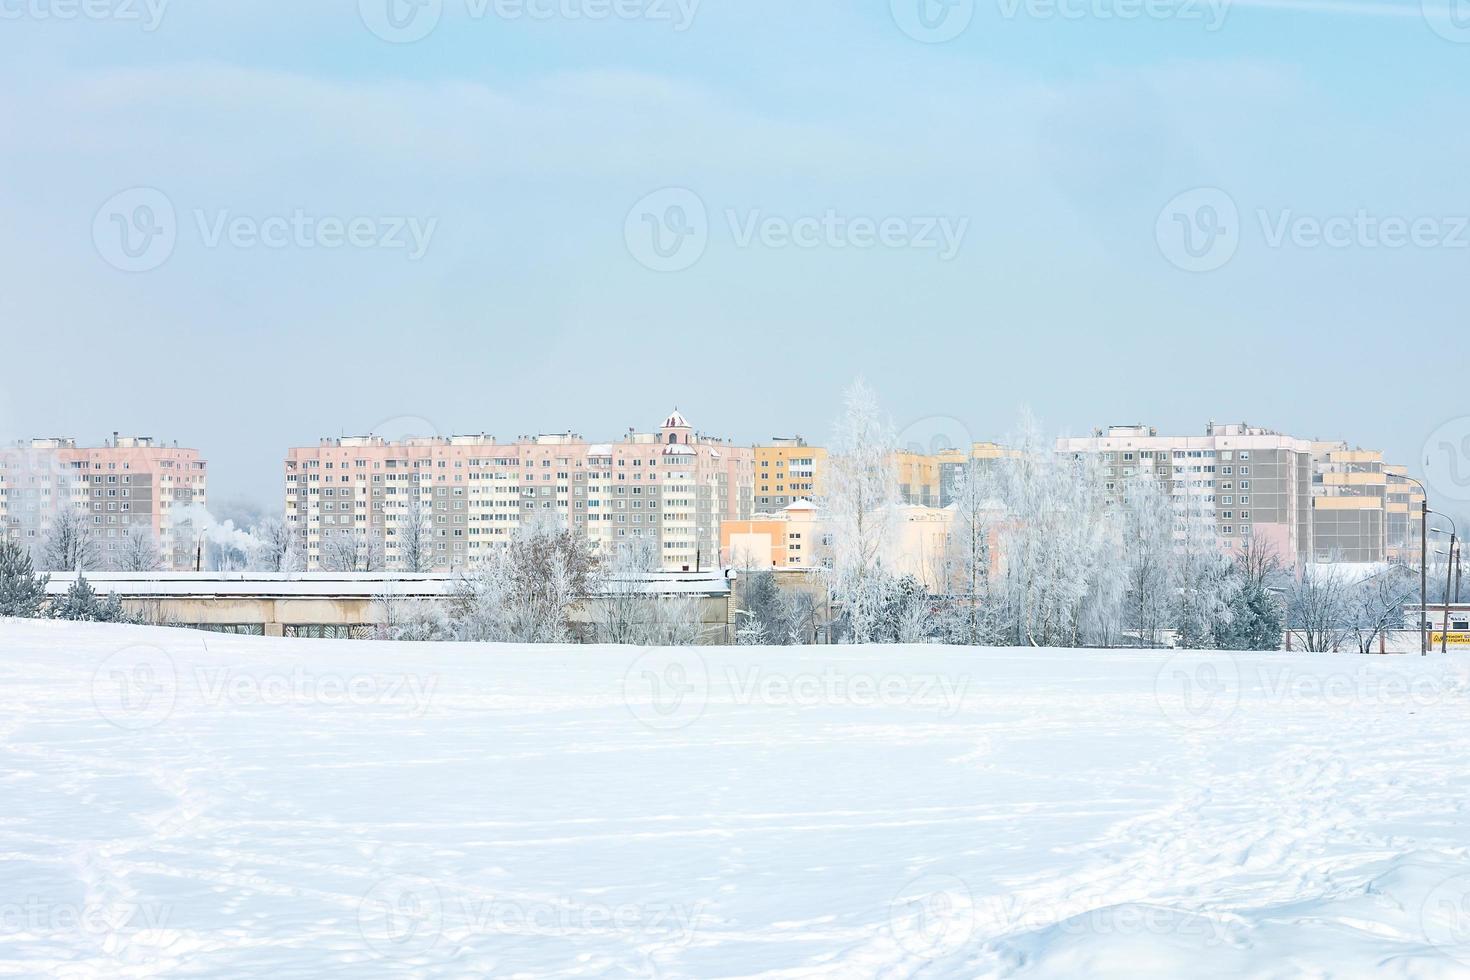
pixel 285 585
pixel 676 421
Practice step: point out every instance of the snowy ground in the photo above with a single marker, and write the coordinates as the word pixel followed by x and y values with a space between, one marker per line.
pixel 186 804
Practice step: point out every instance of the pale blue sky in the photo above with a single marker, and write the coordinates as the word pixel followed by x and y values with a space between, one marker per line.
pixel 523 144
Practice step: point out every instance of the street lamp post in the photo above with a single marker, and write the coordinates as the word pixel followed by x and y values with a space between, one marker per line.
pixel 1449 573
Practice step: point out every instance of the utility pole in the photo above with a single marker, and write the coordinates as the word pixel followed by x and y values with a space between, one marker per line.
pixel 1423 575
pixel 1449 569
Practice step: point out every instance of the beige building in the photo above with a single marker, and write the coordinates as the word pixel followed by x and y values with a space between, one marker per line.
pixel 129 485
pixel 672 486
pixel 798 537
pixel 1360 511
pixel 787 470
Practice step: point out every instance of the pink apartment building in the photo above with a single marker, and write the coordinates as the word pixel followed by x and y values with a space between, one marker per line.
pixel 130 485
pixel 672 487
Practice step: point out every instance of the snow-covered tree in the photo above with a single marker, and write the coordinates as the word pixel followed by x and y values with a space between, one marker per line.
pixel 861 502
pixel 414 536
pixel 768 615
pixel 1205 588
pixel 1256 617
pixel 279 548
pixel 401 618
pixel 526 591
pixel 908 612
pixel 69 545
pixel 1050 542
pixel 139 551
pixel 1320 608
pixel 22 591
pixel 622 612
pixel 81 604
pixel 1376 604
pixel 1147 555
pixel 352 551
pixel 969 616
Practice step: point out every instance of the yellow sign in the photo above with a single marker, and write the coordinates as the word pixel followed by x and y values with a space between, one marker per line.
pixel 1456 639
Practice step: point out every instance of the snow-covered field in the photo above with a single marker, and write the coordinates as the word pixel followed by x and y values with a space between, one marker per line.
pixel 187 804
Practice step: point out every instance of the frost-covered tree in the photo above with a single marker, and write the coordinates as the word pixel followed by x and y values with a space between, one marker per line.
pixel 279 547
pixel 1050 544
pixel 623 609
pixel 22 591
pixel 139 551
pixel 352 551
pixel 1147 556
pixel 768 615
pixel 1205 586
pixel 526 591
pixel 81 604
pixel 861 502
pixel 1256 617
pixel 1376 604
pixel 907 612
pixel 969 616
pixel 414 536
pixel 401 618
pixel 69 545
pixel 1320 608
pixel 628 611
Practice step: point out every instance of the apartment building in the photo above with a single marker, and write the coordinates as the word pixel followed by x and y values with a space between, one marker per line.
pixel 129 485
pixel 954 464
pixel 1362 509
pixel 672 486
pixel 787 470
pixel 1248 481
pixel 1312 500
